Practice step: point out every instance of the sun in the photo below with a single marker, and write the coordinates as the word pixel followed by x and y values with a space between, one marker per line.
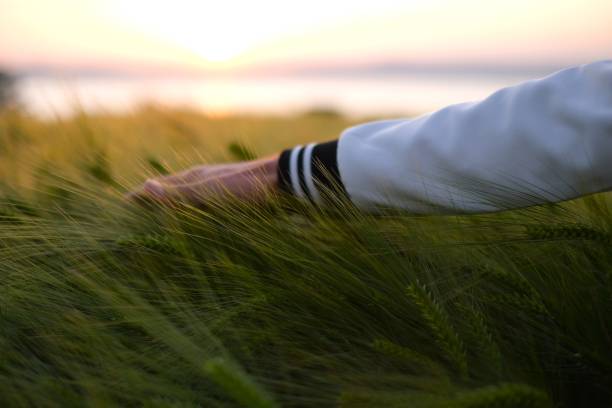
pixel 214 34
pixel 212 49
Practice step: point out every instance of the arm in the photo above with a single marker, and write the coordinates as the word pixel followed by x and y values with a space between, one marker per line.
pixel 541 141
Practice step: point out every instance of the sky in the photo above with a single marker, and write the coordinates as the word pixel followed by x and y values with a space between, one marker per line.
pixel 225 35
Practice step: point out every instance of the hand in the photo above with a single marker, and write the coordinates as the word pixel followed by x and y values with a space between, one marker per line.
pixel 249 181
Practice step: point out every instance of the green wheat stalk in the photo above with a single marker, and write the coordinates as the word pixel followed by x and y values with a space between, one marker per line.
pixel 521 293
pixel 407 355
pixel 567 232
pixel 481 337
pixel 157 243
pixel 439 323
pixel 503 395
pixel 237 384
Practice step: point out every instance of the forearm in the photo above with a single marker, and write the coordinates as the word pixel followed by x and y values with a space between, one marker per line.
pixel 310 171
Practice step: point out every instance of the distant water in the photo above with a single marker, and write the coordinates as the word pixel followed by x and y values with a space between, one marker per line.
pixel 354 96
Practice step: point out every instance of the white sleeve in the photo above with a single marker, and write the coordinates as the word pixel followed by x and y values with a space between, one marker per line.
pixel 541 141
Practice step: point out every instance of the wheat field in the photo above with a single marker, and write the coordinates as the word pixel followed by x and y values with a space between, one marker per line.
pixel 104 303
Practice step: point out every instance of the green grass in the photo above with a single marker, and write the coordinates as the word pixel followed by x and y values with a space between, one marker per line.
pixel 105 304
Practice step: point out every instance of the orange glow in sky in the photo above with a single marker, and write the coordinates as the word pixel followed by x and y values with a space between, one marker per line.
pixel 236 33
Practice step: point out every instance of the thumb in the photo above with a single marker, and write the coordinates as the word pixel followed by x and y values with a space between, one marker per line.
pixel 167 193
pixel 150 192
pixel 154 189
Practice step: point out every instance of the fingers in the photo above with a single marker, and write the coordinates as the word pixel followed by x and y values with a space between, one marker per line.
pixel 150 193
pixel 245 181
pixel 184 186
pixel 195 174
pixel 187 176
pixel 155 192
pixel 154 189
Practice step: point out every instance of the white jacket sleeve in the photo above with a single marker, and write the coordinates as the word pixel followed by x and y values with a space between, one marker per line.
pixel 545 140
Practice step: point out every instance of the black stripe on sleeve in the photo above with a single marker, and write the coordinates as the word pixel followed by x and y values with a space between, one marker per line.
pixel 301 177
pixel 284 176
pixel 325 171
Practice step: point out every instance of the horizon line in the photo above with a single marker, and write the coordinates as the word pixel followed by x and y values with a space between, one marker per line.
pixel 386 67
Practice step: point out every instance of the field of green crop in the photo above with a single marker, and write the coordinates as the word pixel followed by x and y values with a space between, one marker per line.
pixel 104 303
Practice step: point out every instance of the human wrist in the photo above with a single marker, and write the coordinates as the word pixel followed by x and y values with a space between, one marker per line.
pixel 311 171
pixel 269 169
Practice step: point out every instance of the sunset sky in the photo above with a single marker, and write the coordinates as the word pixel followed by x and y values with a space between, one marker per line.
pixel 232 34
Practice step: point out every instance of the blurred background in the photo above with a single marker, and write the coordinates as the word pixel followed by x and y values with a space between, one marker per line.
pixel 268 56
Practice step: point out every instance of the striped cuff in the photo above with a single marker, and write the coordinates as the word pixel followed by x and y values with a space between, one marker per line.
pixel 310 171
